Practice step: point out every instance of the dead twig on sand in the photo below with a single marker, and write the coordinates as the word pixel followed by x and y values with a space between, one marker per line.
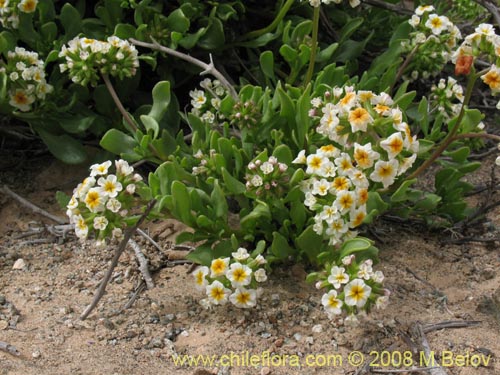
pixel 31 206
pixel 429 354
pixel 143 264
pixel 450 324
pixel 118 252
pixel 6 347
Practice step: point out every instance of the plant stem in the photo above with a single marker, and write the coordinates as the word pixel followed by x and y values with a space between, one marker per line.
pixel 207 68
pixel 124 112
pixel 273 25
pixel 118 102
pixel 314 47
pixel 402 68
pixel 450 137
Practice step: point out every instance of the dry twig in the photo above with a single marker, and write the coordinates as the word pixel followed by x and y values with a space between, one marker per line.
pixel 6 347
pixel 118 252
pixel 428 353
pixel 207 68
pixel 143 264
pixel 31 206
pixel 450 324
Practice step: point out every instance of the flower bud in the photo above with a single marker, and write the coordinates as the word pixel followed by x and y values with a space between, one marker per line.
pixel 463 65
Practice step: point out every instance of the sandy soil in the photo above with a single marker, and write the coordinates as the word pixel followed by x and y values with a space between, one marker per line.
pixel 432 280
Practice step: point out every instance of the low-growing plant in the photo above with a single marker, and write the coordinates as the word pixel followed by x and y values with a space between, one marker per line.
pixel 292 164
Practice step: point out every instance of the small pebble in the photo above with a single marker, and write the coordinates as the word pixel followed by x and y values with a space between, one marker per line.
pixel 19 264
pixel 265 371
pixel 36 354
pixel 318 328
pixel 297 336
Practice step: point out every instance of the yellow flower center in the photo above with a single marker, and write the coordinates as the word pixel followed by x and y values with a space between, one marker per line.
pixel 218 266
pixel 385 171
pixel 436 22
pixel 358 220
pixel 109 187
pixel 243 298
pixel 217 294
pixel 239 275
pixel 333 302
pixel 396 145
pixel 346 201
pixel 357 292
pixel 362 158
pixel 381 108
pixel 347 98
pixel 340 183
pixel 315 162
pixel 92 200
pixel 29 6
pixel 362 196
pixel 359 116
pixel 199 278
pixel 20 98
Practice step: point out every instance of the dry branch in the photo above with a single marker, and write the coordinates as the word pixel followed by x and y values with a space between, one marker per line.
pixel 118 252
pixel 31 206
pixel 6 347
pixel 143 264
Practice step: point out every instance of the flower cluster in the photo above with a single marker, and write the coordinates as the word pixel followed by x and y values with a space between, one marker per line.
pixel 447 97
pixel 434 37
pixel 232 279
pixel 268 178
pixel 485 43
pixel 86 59
pixel 25 79
pixel 352 287
pixel 206 103
pixel 376 146
pixel 103 200
pixel 317 3
pixel 245 115
pixel 10 10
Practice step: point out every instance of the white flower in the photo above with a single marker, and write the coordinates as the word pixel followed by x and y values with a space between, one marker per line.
pixel 332 304
pixel 117 233
pixel 338 276
pixel 244 298
pixel 414 21
pixel 81 228
pixel 344 201
pixel 241 254
pixel 94 200
pixel 123 168
pixel 199 275
pixel 381 302
pixel 239 275
pixel 301 158
pixel 100 169
pixel 385 172
pixel 130 189
pixel 356 293
pixel 110 185
pixel 256 181
pixel 393 144
pixel 485 29
pixel 260 260
pixel 113 205
pixel 364 155
pixel 260 275
pixel 437 23
pixel 267 167
pixel 21 100
pixel 217 294
pixel 218 267
pixel 365 270
pixel 497 161
pixel 28 6
pixel 198 98
pixel 315 163
pixel 100 222
pixel 321 187
pixel 347 260
pixel 378 277
pixel 423 8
